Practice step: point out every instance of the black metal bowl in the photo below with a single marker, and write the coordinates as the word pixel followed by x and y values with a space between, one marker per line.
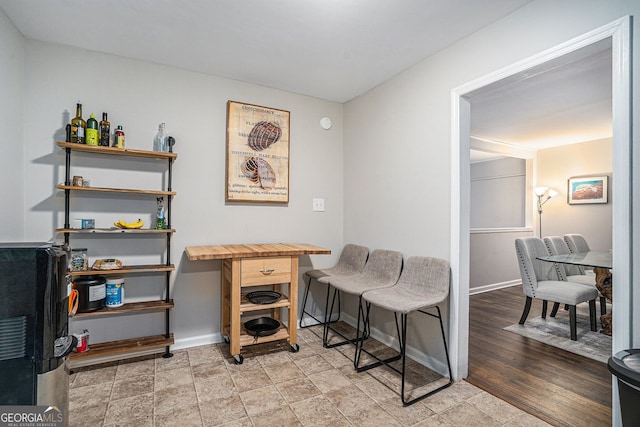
pixel 263 297
pixel 262 326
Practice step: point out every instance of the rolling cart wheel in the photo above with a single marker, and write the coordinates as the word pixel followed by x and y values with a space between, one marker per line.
pixel 226 338
pixel 295 348
pixel 238 359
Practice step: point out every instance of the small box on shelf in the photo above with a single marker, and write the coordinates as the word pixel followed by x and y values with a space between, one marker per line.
pixel 84 223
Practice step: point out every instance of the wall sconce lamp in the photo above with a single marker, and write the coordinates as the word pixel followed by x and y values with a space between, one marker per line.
pixel 543 194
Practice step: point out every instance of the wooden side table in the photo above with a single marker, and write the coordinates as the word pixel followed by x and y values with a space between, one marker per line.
pixel 246 266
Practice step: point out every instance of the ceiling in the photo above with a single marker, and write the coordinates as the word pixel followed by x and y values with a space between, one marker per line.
pixel 331 49
pixel 563 101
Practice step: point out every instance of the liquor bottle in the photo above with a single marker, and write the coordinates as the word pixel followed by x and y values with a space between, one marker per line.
pixel 92 131
pixel 105 129
pixel 160 140
pixel 118 137
pixel 78 126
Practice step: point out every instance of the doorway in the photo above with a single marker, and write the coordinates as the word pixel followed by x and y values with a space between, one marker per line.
pixel 619 31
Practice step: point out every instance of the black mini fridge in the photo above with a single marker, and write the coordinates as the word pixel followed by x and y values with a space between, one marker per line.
pixel 34 339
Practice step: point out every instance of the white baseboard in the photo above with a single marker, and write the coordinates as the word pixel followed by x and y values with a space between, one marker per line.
pixel 196 341
pixel 493 287
pixel 424 359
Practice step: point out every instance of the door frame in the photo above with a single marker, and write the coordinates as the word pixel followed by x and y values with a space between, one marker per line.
pixel 620 33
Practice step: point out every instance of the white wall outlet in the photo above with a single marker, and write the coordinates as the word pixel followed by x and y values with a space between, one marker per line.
pixel 318 205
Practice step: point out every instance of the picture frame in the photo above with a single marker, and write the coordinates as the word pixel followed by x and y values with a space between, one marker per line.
pixel 587 190
pixel 257 158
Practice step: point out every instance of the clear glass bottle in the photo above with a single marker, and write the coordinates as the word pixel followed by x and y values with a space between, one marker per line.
pixel 160 140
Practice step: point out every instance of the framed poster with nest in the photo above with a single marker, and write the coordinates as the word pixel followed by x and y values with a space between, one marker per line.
pixel 257 154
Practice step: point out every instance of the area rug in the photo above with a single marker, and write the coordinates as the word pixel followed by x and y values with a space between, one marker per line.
pixel 555 332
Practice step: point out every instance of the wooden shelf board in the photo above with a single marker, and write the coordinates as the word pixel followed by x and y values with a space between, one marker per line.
pixel 246 339
pixel 126 269
pixel 116 151
pixel 122 347
pixel 245 305
pixel 114 230
pixel 116 190
pixel 130 308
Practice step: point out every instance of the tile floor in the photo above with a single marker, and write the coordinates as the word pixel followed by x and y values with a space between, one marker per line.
pixel 316 386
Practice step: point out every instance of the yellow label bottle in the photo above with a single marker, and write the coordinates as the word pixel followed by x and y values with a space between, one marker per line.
pixel 92 131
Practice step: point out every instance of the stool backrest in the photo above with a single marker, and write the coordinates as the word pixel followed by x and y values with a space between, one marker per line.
pixel 383 266
pixel 426 276
pixel 352 259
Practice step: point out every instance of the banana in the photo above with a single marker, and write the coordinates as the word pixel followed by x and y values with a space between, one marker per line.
pixel 129 225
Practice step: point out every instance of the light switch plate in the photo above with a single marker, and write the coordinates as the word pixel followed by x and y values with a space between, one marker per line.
pixel 318 205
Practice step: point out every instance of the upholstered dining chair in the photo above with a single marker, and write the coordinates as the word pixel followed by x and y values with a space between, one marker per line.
pixel 577 244
pixel 423 285
pixel 572 273
pixel 540 280
pixel 351 262
pixel 381 271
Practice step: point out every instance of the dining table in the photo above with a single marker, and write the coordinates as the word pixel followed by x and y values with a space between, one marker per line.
pixel 602 263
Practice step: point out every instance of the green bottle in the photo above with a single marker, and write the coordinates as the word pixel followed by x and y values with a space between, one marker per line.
pixel 92 131
pixel 78 126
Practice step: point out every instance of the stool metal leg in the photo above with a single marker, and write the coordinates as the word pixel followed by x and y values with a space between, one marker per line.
pixel 304 308
pixel 327 327
pixel 402 336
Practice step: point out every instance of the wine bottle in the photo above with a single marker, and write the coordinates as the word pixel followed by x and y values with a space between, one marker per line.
pixel 92 131
pixel 105 129
pixel 160 140
pixel 78 126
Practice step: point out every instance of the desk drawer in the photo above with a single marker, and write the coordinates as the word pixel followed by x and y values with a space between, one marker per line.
pixel 265 271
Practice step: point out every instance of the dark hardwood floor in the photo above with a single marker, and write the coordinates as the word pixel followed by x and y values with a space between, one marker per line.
pixel 559 387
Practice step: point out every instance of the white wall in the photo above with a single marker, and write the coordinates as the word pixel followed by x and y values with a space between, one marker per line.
pixel 139 95
pixel 498 191
pixel 11 123
pixel 398 135
pixel 555 167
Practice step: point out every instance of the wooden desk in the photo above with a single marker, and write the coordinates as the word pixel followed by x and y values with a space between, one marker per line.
pixel 256 265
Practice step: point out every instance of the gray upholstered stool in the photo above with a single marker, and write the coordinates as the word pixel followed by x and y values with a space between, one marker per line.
pixel 351 262
pixel 381 271
pixel 423 285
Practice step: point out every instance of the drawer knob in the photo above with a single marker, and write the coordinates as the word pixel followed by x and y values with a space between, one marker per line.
pixel 267 272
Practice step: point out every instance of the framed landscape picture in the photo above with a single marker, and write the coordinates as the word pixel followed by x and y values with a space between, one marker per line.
pixel 257 154
pixel 587 190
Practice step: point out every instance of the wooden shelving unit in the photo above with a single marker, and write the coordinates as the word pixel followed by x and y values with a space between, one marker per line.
pixel 116 151
pixel 114 230
pixel 121 349
pixel 116 190
pixel 134 307
pixel 127 269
